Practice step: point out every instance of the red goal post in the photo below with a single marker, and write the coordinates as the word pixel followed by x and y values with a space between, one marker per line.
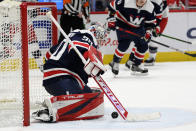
pixel 25 35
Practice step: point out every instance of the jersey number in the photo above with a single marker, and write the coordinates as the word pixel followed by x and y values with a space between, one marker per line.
pixel 59 51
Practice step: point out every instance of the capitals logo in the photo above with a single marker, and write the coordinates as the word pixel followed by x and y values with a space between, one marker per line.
pixel 137 21
pixel 191 33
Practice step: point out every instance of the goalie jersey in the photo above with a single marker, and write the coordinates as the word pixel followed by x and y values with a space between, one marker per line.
pixel 131 17
pixel 62 60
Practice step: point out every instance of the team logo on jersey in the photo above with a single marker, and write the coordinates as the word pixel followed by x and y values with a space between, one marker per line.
pixel 137 21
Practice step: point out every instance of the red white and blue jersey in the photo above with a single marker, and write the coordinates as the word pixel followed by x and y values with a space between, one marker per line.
pixel 163 18
pixel 161 9
pixel 165 9
pixel 62 60
pixel 158 8
pixel 130 16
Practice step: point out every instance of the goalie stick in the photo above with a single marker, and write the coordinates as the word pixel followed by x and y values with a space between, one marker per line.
pixel 105 88
pixel 170 47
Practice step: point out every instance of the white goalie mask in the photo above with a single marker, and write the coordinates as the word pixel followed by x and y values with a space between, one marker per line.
pixel 99 32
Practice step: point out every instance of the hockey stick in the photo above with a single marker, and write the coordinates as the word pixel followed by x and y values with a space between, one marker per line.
pixel 188 42
pixel 107 91
pixel 127 31
pixel 119 107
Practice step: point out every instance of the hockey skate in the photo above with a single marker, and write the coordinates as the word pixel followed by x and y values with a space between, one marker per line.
pixel 42 115
pixel 149 62
pixel 138 70
pixel 128 64
pixel 115 67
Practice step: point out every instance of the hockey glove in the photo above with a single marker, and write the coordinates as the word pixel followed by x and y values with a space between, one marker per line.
pixel 91 68
pixel 94 65
pixel 156 31
pixel 111 21
pixel 147 36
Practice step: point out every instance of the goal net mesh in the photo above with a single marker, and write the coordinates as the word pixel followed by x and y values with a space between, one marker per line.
pixel 22 22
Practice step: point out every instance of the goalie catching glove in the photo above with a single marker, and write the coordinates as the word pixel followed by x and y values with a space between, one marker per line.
pixel 94 65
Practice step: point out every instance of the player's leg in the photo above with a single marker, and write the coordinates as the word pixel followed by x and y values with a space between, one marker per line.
pixel 65 22
pixel 66 85
pixel 114 64
pixel 152 54
pixel 141 47
pixel 153 48
pixel 129 62
pixel 72 107
pixel 123 45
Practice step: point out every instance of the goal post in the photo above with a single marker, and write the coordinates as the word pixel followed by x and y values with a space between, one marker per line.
pixel 26 33
pixel 25 68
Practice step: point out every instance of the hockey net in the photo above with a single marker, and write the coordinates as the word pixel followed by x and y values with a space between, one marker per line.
pixel 26 33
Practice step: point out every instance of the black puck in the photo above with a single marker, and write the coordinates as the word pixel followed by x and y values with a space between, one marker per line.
pixel 114 115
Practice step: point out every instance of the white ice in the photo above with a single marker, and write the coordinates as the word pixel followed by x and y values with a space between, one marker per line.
pixel 169 88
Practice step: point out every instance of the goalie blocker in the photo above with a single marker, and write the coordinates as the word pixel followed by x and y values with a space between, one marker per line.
pixel 71 107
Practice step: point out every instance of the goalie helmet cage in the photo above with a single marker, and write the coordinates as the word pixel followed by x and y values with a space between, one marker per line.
pixel 26 33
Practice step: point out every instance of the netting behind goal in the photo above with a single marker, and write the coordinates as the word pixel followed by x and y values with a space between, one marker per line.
pixel 26 33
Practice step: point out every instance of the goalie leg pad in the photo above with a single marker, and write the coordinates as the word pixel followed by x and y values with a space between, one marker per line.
pixel 81 106
pixel 76 106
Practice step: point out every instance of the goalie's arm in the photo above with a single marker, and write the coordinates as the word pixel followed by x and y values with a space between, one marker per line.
pixel 94 65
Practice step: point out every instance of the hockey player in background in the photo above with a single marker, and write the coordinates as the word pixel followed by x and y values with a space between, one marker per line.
pixel 136 16
pixel 160 27
pixel 66 78
pixel 161 17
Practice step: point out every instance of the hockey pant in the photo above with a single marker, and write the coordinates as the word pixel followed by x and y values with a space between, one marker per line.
pixel 66 85
pixel 125 40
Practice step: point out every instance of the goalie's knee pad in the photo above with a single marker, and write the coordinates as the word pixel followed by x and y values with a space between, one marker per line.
pixel 76 106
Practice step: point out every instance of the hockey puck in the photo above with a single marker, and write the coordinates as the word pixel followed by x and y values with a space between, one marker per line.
pixel 114 115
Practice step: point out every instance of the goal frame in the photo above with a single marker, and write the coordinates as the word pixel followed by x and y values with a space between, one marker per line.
pixel 25 61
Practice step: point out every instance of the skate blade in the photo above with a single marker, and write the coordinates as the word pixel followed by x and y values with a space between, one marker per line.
pixel 128 68
pixel 148 64
pixel 139 73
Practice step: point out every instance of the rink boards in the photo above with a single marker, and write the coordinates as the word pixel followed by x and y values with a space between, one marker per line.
pixel 180 25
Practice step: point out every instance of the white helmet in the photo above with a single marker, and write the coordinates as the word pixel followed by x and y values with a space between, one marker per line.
pixel 98 31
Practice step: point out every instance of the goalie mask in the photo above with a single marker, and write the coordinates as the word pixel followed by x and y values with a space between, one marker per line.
pixel 99 32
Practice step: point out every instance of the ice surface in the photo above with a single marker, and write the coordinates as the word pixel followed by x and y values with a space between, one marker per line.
pixel 170 88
